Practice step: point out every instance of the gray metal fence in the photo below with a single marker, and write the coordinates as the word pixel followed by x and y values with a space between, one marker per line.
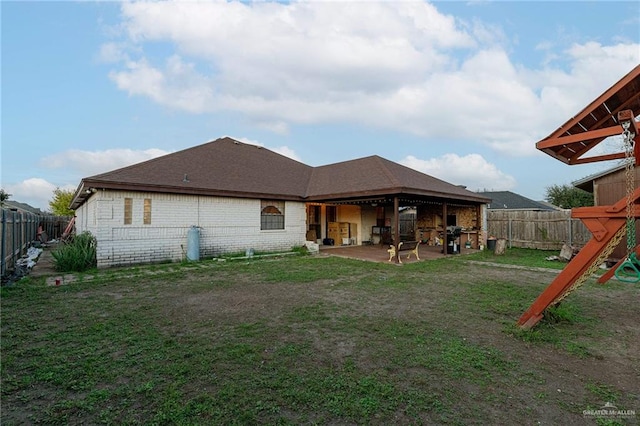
pixel 20 229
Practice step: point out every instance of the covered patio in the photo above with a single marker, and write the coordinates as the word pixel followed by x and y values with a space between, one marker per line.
pixel 372 203
pixel 379 253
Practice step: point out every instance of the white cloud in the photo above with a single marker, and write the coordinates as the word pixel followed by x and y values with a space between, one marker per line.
pixel 112 53
pixel 36 192
pixel 178 84
pixel 88 163
pixel 287 152
pixel 77 164
pixel 277 127
pixel 472 171
pixel 397 65
pixel 282 150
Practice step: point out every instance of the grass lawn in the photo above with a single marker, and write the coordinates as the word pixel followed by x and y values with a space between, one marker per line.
pixel 318 340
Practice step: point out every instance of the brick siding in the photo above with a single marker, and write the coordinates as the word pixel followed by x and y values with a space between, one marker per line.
pixel 227 225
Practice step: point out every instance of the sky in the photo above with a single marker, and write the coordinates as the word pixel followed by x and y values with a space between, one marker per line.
pixel 459 90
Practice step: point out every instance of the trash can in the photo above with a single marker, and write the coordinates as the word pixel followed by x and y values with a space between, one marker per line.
pixel 491 243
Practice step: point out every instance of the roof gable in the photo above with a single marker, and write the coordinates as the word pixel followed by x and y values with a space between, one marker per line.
pixel 221 166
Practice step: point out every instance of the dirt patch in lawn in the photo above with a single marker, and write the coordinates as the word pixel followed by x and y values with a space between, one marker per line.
pixel 557 370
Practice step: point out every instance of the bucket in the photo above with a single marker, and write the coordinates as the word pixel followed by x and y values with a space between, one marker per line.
pixel 491 244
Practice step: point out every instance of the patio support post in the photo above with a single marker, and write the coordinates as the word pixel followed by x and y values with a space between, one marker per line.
pixel 396 220
pixel 479 226
pixel 445 241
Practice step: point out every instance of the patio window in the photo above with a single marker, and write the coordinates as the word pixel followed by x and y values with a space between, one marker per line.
pixel 271 215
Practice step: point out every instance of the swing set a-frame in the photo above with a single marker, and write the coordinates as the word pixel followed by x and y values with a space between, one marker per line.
pixel 612 114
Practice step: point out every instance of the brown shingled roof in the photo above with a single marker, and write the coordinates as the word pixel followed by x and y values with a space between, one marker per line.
pixel 226 167
pixel 375 176
pixel 222 167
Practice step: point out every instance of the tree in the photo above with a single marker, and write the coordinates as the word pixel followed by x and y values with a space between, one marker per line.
pixel 60 203
pixel 4 196
pixel 568 196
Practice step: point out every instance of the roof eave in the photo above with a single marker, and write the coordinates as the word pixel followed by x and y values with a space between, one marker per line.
pixel 91 186
pixel 400 191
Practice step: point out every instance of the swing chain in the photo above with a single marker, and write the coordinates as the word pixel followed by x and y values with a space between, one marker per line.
pixel 628 139
pixel 595 265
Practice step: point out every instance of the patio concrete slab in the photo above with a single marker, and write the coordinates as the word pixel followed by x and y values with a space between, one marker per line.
pixel 379 253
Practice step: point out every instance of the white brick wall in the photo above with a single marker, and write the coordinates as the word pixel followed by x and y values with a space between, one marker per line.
pixel 226 225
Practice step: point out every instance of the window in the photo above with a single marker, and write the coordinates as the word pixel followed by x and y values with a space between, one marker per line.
pixel 271 215
pixel 128 210
pixel 332 214
pixel 146 219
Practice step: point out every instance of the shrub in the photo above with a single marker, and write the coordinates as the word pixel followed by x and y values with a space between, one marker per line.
pixel 77 255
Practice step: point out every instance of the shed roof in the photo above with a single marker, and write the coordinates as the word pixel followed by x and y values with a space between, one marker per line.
pixel 226 167
pixel 586 183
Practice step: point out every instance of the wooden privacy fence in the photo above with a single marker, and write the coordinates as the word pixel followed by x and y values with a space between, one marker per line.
pixel 20 229
pixel 544 230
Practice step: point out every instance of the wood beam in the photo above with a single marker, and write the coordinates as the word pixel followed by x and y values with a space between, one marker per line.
pixel 602 99
pixel 579 137
pixel 574 270
pixel 597 158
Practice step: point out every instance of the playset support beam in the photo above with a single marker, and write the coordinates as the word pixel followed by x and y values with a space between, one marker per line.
pixel 603 222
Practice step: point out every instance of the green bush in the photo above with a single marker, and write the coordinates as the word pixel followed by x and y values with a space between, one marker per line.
pixel 77 255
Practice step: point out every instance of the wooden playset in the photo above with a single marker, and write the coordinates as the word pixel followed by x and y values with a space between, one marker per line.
pixel 612 114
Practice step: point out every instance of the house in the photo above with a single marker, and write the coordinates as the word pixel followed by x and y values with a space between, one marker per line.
pixel 21 207
pixel 242 196
pixel 507 200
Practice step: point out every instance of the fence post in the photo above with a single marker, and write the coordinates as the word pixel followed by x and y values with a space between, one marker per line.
pixel 23 229
pixel 509 233
pixel 3 262
pixel 13 234
pixel 570 232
